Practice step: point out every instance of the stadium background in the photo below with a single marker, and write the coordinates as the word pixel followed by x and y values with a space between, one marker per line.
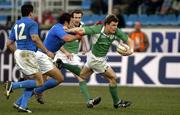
pixel 158 67
pixel 162 31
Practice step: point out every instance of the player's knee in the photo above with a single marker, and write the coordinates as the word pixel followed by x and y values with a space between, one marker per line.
pixel 79 79
pixel 60 79
pixel 82 77
pixel 112 80
pixel 39 83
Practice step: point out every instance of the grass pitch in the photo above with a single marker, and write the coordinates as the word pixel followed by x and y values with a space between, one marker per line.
pixel 67 100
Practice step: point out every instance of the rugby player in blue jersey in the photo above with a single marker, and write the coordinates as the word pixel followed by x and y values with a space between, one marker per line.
pixel 25 34
pixel 55 39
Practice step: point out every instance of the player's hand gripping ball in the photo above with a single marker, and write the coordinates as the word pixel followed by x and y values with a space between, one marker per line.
pixel 124 49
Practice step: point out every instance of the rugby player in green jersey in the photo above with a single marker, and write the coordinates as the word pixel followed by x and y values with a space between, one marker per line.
pixel 96 59
pixel 71 61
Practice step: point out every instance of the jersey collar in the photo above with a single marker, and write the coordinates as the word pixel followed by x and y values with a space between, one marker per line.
pixel 102 32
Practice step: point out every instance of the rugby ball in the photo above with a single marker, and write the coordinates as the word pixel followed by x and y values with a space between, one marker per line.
pixel 121 48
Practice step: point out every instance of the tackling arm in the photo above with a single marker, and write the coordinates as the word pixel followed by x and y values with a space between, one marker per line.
pixel 77 30
pixel 68 54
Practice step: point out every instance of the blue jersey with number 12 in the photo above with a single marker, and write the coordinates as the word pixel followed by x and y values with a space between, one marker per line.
pixel 21 33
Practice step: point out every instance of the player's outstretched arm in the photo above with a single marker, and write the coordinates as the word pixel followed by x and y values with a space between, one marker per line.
pixel 77 30
pixel 69 37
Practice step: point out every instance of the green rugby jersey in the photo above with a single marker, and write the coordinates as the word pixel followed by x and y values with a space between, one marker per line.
pixel 72 46
pixel 103 43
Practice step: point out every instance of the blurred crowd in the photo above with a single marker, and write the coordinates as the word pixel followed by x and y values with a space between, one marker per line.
pixel 149 7
pixel 120 8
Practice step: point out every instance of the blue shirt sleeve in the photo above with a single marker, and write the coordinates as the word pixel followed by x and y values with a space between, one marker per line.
pixel 60 32
pixel 12 34
pixel 33 29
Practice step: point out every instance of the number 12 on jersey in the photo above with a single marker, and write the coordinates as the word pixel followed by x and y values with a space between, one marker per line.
pixel 20 36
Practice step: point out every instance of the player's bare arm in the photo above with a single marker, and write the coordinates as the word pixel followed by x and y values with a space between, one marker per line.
pixel 67 53
pixel 69 37
pixel 40 45
pixel 130 49
pixel 78 30
pixel 11 45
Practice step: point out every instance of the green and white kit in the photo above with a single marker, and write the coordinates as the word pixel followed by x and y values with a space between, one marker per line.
pixel 96 58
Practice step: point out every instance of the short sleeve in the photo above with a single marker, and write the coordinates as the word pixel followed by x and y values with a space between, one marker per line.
pixel 34 28
pixel 60 33
pixel 121 35
pixel 95 29
pixel 12 34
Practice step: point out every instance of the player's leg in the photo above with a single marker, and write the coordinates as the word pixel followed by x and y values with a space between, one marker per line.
pixel 17 104
pixel 83 88
pixel 29 67
pixel 72 68
pixel 24 84
pixel 72 65
pixel 62 61
pixel 111 76
pixel 85 73
pixel 47 67
pixel 22 102
pixel 57 78
pixel 39 96
pixel 82 83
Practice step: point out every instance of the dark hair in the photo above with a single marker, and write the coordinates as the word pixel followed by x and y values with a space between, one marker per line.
pixel 26 9
pixel 110 18
pixel 65 17
pixel 77 12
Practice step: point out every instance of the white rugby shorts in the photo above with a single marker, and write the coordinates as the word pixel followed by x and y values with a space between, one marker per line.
pixel 97 64
pixel 45 62
pixel 76 60
pixel 26 61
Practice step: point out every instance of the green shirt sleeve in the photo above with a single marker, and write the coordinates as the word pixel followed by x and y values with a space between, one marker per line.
pixel 121 35
pixel 90 30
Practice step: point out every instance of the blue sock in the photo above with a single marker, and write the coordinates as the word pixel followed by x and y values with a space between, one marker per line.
pixel 26 96
pixel 24 84
pixel 47 85
pixel 18 101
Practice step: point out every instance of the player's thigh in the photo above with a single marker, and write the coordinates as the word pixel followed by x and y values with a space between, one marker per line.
pixel 39 78
pixel 55 73
pixel 85 72
pixel 109 74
